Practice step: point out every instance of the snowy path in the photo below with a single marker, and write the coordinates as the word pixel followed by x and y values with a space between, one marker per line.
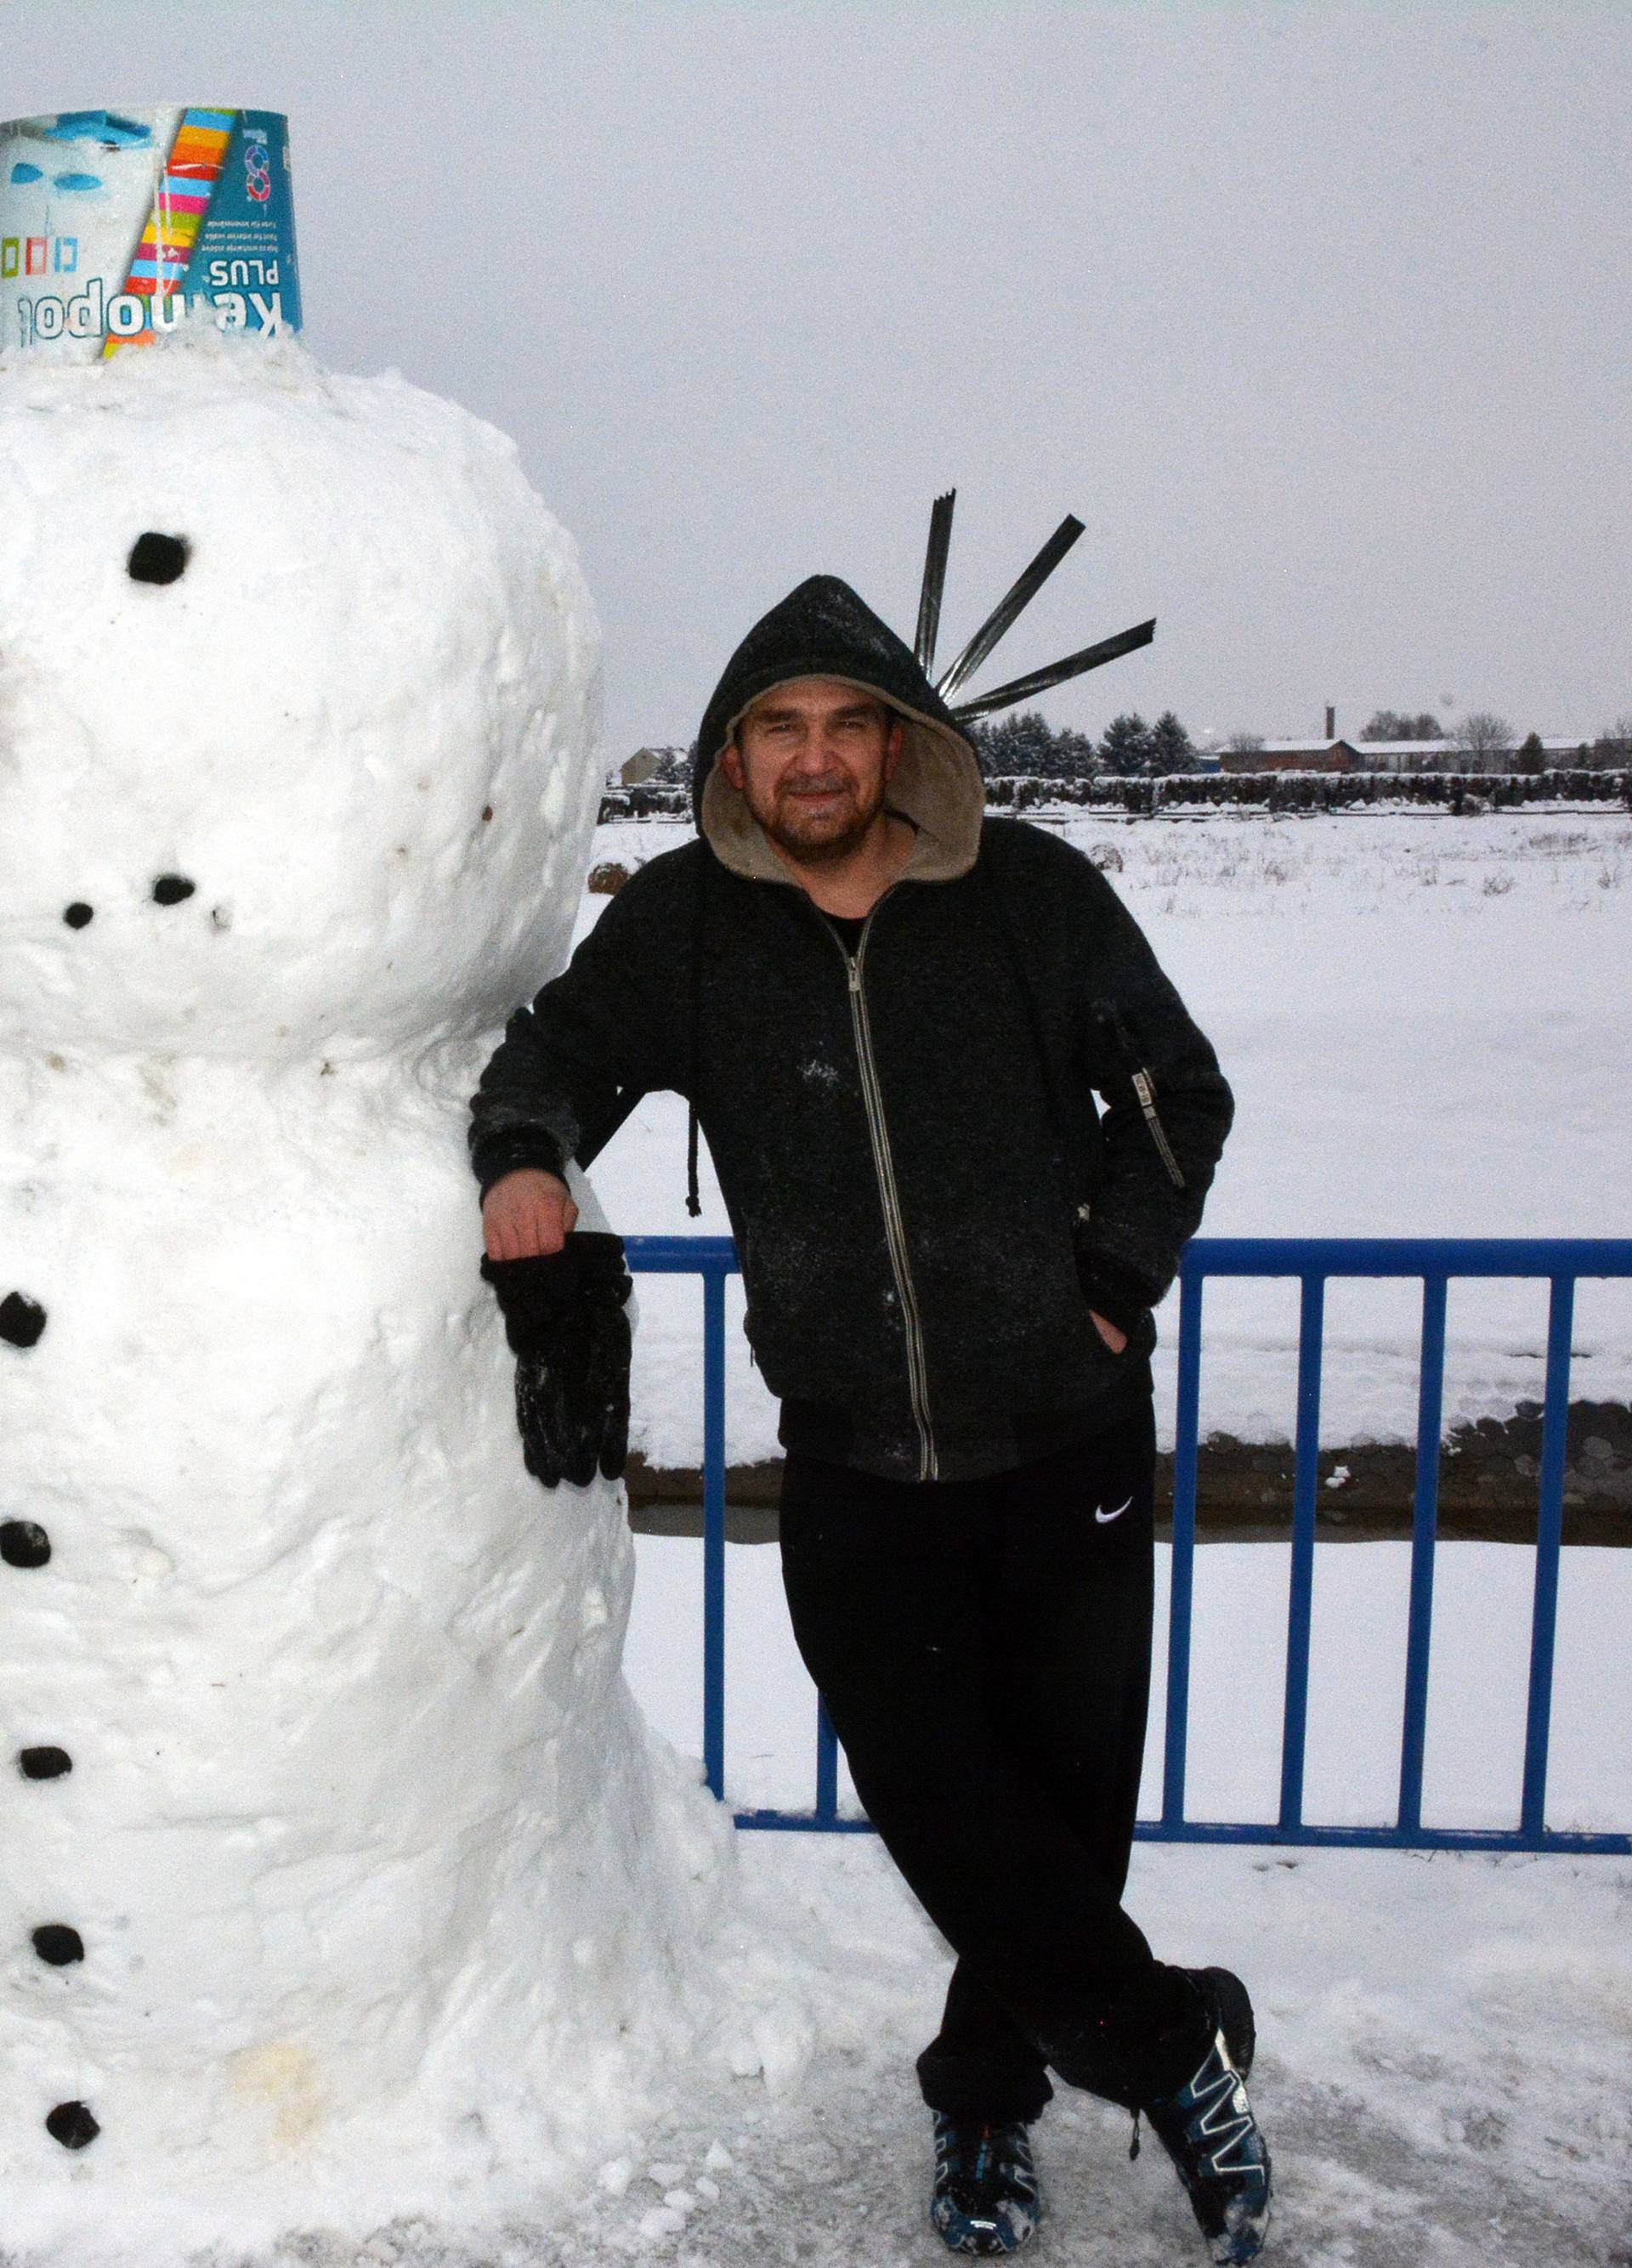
pixel 1442 2077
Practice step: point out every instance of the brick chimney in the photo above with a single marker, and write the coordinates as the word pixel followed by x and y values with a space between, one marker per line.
pixel 1331 722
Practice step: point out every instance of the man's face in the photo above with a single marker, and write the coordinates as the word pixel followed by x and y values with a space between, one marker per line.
pixel 812 760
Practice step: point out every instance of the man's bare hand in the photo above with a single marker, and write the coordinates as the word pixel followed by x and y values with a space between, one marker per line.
pixel 528 1215
pixel 1114 1339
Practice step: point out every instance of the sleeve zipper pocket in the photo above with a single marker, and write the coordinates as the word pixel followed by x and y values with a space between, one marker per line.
pixel 1145 1090
pixel 1106 1013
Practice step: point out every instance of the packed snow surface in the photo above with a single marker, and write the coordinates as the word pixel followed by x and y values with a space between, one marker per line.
pixel 1441 2074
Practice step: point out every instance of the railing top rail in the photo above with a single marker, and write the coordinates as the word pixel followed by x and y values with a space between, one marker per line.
pixel 1408 1255
pixel 683 1255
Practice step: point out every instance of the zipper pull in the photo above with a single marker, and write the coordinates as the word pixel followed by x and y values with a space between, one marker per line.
pixel 1146 1091
pixel 855 961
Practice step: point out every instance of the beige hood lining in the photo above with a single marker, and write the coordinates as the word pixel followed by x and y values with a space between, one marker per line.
pixel 937 785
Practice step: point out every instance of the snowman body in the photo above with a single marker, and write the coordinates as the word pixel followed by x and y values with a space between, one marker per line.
pixel 337 1873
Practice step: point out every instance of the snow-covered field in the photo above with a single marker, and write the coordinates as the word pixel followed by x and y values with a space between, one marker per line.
pixel 1428 1024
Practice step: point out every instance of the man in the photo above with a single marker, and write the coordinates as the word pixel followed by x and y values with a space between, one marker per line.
pixel 890 1016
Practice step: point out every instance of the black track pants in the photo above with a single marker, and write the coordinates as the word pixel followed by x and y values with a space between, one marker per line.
pixel 984 1650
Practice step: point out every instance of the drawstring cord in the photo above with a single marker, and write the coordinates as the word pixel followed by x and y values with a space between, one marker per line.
pixel 694 1204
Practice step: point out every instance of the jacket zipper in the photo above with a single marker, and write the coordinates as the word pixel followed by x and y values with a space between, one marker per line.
pixel 1144 1088
pixel 895 1230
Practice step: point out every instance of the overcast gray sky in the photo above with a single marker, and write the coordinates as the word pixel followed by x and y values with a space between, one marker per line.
pixel 1317 315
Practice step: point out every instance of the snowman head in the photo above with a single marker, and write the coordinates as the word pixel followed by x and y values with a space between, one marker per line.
pixel 299 710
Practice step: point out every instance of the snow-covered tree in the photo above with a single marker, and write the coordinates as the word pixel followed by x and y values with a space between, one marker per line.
pixel 1027 745
pixel 1612 751
pixel 1394 725
pixel 1170 747
pixel 1486 742
pixel 1126 748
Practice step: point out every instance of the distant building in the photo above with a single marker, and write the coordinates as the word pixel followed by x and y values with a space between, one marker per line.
pixel 636 771
pixel 1294 756
pixel 1449 756
pixel 1410 756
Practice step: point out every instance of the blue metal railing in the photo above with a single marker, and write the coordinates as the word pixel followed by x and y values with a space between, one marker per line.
pixel 1313 1261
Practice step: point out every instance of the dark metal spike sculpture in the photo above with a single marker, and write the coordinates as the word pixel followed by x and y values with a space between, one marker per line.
pixel 1027 688
pixel 934 580
pixel 1009 608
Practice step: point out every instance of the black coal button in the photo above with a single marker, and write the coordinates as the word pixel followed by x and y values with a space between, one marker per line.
pixel 77 915
pixel 21 1319
pixel 71 2124
pixel 158 558
pixel 23 1544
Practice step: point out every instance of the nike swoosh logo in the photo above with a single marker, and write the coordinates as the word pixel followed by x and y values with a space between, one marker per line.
pixel 1103 1517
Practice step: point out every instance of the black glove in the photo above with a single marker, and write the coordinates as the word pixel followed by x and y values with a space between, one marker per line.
pixel 567 1322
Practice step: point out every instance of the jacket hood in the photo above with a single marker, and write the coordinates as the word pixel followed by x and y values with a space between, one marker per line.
pixel 824 629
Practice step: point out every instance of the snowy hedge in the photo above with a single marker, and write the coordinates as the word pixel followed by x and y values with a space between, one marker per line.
pixel 1288 791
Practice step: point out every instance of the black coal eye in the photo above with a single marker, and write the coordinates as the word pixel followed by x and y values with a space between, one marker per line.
pixel 24 1543
pixel 44 1764
pixel 58 1945
pixel 158 558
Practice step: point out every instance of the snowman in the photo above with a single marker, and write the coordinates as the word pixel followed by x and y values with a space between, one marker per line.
pixel 338 1876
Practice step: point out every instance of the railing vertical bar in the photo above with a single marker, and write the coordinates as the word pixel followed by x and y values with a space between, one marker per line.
pixel 1550 1535
pixel 1181 1595
pixel 1312 1324
pixel 827 1767
pixel 1424 1529
pixel 714 1528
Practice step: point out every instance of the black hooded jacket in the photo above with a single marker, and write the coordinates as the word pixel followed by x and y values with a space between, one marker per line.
pixel 925 1196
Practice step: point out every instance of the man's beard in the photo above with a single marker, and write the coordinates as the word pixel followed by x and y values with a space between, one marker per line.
pixel 819 838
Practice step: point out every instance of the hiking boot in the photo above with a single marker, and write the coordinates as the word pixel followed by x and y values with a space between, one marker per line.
pixel 985 2198
pixel 1226 2003
pixel 1207 2128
